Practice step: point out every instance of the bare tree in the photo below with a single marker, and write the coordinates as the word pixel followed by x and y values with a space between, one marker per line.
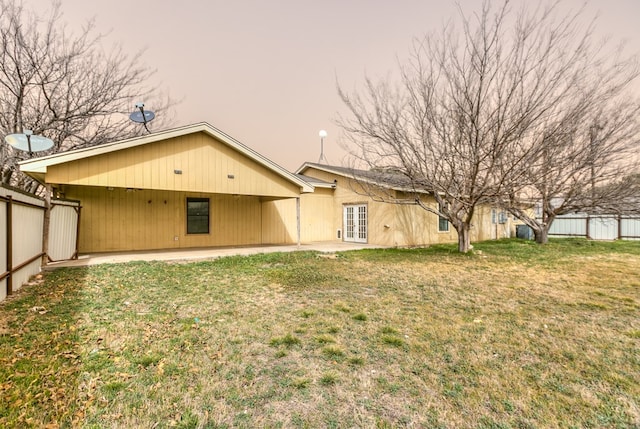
pixel 585 163
pixel 472 105
pixel 63 86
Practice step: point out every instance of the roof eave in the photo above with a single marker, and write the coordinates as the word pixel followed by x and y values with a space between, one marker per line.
pixel 363 179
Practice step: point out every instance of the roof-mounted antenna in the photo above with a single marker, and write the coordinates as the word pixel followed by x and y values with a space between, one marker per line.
pixel 28 142
pixel 142 116
pixel 322 135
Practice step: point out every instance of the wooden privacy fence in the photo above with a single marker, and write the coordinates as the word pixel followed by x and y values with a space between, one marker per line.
pixel 21 231
pixel 601 227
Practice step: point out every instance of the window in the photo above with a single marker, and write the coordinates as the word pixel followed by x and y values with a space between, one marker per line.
pixel 499 216
pixel 443 223
pixel 197 215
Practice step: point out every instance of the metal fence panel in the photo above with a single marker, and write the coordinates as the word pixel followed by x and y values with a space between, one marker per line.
pixel 630 228
pixel 27 233
pixel 23 229
pixel 603 228
pixel 569 226
pixel 63 230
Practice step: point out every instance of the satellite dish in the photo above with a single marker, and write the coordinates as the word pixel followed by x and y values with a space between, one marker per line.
pixel 27 142
pixel 142 116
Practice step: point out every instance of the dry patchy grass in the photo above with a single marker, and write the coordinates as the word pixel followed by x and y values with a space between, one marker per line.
pixel 513 336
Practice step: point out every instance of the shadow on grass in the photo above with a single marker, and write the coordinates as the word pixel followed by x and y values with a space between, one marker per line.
pixel 39 357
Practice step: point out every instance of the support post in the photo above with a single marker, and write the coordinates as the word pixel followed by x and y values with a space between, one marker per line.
pixel 9 244
pixel 298 218
pixel 78 211
pixel 45 225
pixel 619 227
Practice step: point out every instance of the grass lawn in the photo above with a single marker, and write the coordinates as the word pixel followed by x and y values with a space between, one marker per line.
pixel 515 335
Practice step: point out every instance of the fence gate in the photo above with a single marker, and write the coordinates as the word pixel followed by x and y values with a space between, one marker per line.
pixel 63 230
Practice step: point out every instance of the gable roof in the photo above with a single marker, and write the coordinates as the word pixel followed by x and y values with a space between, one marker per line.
pixel 317 183
pixel 37 168
pixel 384 179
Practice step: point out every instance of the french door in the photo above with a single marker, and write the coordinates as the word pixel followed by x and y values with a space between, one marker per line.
pixel 355 223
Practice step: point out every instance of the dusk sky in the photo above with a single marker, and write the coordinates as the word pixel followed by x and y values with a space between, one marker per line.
pixel 265 72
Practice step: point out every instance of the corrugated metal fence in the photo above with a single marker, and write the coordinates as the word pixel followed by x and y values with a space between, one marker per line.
pixel 21 231
pixel 63 230
pixel 600 227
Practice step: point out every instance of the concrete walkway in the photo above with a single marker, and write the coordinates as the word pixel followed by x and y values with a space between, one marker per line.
pixel 203 253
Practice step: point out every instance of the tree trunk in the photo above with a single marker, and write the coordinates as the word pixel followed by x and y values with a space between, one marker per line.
pixel 464 238
pixel 542 235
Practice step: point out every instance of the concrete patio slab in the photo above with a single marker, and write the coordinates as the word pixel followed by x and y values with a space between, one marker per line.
pixel 203 253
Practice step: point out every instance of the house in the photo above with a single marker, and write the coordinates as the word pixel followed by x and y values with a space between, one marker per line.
pixel 195 186
pixel 192 186
pixel 354 205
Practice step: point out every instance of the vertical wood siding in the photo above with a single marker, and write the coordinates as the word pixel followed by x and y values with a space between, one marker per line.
pixel 279 221
pixel 121 219
pixel 317 220
pixel 204 165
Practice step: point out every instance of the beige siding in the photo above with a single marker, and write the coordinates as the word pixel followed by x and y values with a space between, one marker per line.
pixel 121 219
pixel 206 165
pixel 317 218
pixel 393 224
pixel 388 224
pixel 485 229
pixel 279 220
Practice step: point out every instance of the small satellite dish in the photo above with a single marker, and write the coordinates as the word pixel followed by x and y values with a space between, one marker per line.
pixel 28 142
pixel 142 116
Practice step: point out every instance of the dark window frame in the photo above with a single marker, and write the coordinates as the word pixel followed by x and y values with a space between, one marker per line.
pixel 193 214
pixel 443 222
